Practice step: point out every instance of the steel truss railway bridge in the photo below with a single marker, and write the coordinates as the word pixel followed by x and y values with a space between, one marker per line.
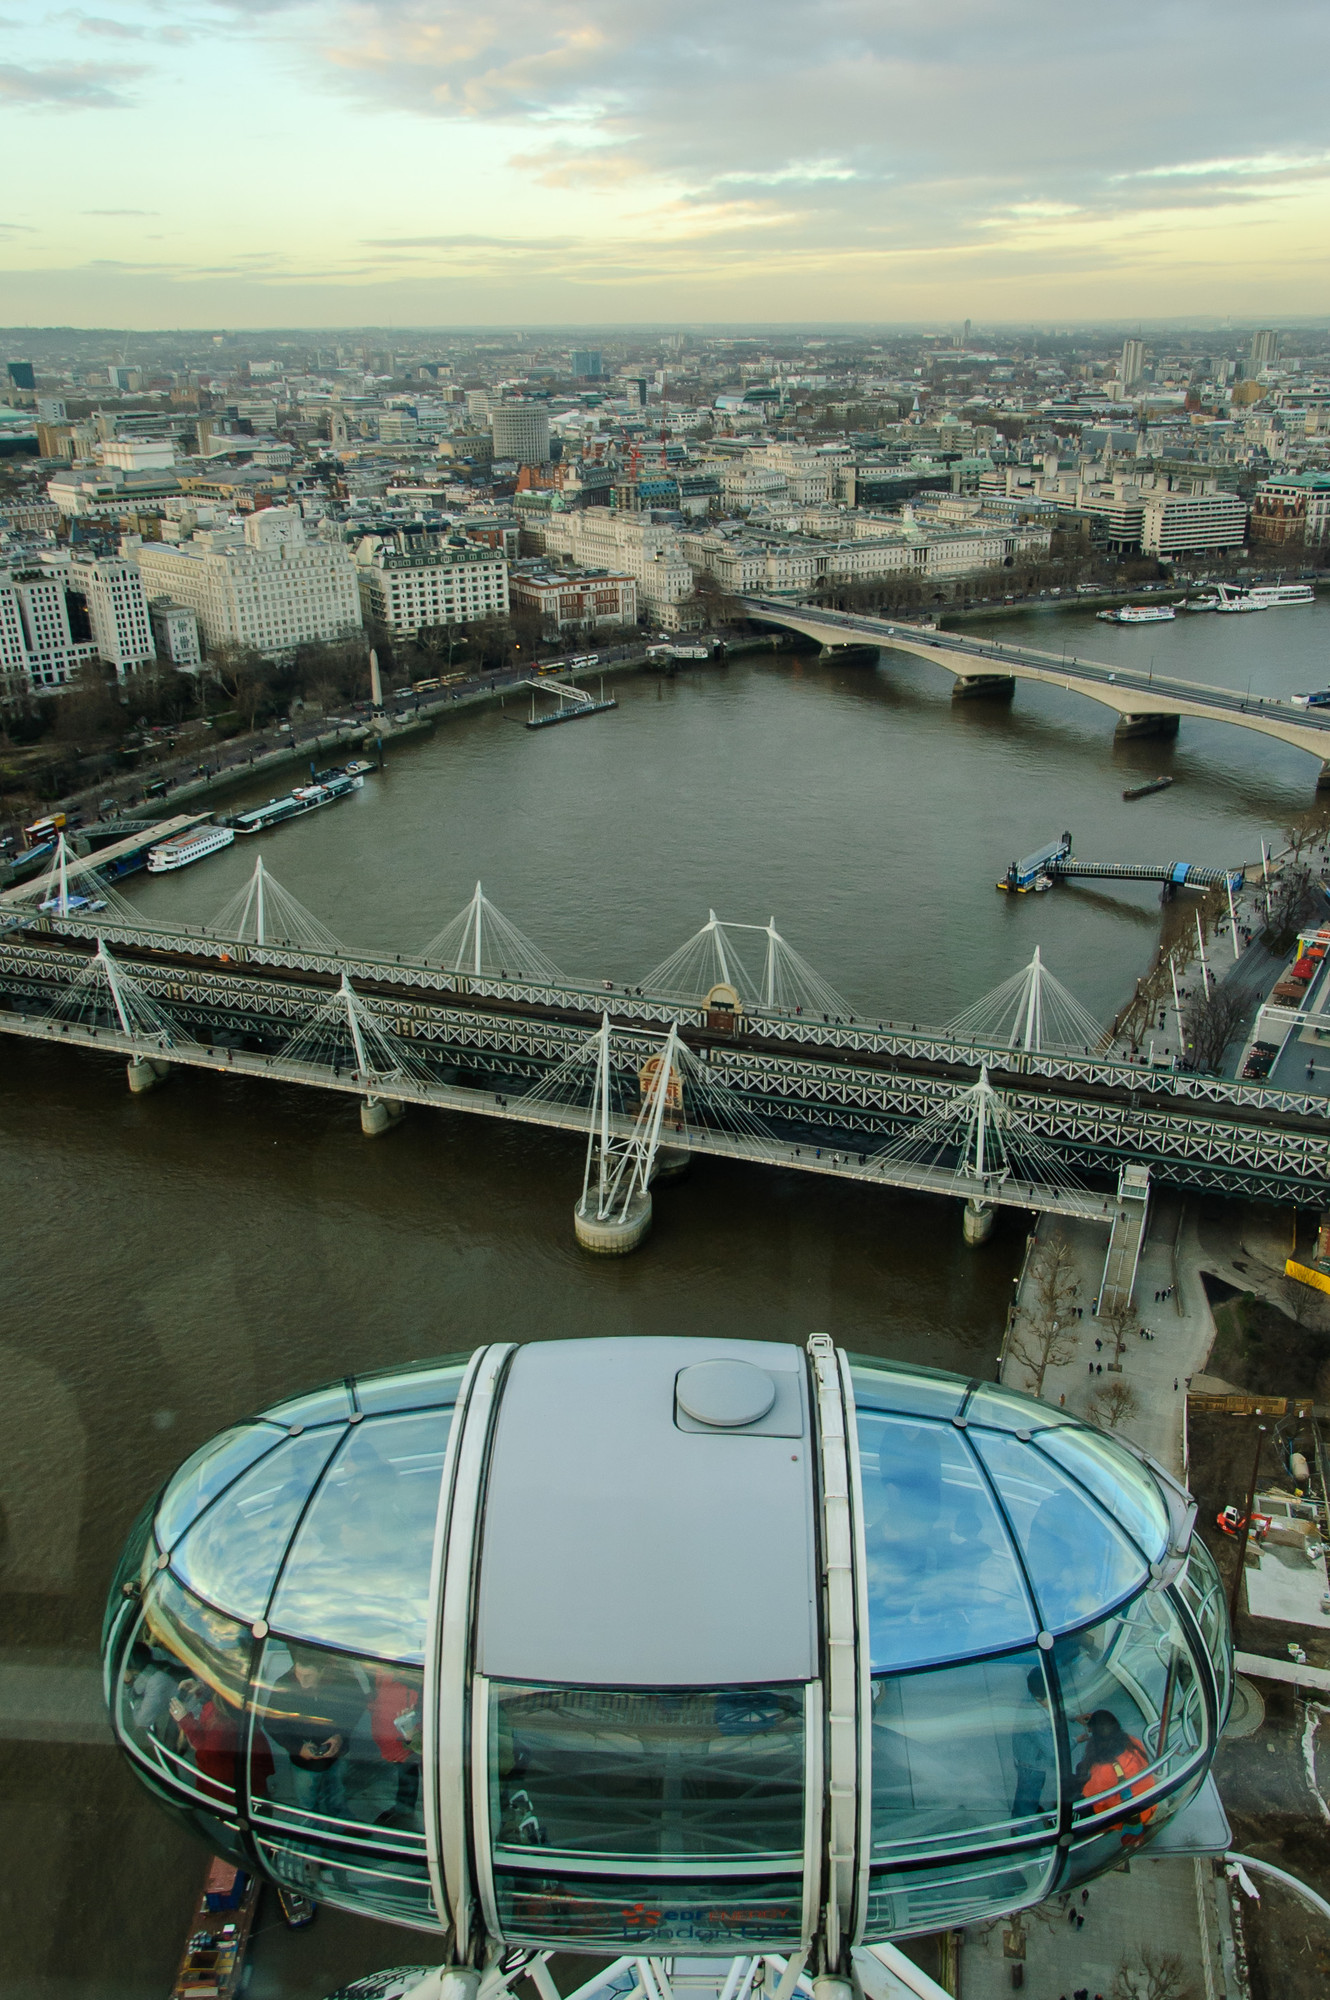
pixel 1146 704
pixel 1002 1110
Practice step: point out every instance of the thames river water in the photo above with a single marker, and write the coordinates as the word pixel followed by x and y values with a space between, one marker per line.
pixel 174 1261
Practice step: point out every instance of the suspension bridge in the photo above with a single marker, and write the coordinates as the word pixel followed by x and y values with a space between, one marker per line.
pixel 1147 704
pixel 733 1047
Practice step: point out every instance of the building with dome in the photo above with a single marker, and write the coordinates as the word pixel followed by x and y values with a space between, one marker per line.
pixel 684 1644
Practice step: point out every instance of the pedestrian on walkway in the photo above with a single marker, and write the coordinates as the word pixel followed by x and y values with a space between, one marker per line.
pixel 1175 1382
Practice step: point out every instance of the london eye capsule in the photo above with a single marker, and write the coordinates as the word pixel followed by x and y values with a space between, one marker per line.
pixel 675 1644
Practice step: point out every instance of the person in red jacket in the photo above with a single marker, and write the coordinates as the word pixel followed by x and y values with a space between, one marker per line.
pixel 395 1724
pixel 1110 1767
pixel 211 1727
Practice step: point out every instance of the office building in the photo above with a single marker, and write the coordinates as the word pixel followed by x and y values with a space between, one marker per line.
pixel 45 637
pixel 602 538
pixel 521 432
pixel 112 590
pixel 1263 351
pixel 412 583
pixel 21 375
pixel 1304 492
pixel 588 363
pixel 264 585
pixel 564 599
pixel 1132 365
pixel 175 631
pixel 1181 524
pixel 138 454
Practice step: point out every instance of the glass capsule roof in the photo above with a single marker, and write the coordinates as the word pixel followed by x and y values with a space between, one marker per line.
pixel 990 1518
pixel 319 1517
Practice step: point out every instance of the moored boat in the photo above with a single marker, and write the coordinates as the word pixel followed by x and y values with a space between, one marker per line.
pixel 183 848
pixel 324 790
pixel 1138 614
pixel 1263 596
pixel 1143 791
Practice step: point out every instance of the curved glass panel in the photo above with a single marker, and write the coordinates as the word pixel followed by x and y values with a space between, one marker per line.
pixel 359 1568
pixel 1119 1482
pixel 336 1746
pixel 1135 1709
pixel 1078 1561
pixel 1008 1410
pixel 329 1405
pixel 963 1754
pixel 183 1686
pixel 423 1388
pixel 232 1554
pixel 893 1385
pixel 904 1902
pixel 333 1872
pixel 1204 1592
pixel 942 1579
pixel 637 1914
pixel 1097 1848
pixel 202 1477
pixel 598 1771
pixel 131 1572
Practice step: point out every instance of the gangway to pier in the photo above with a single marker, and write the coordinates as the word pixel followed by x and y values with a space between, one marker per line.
pixel 1178 874
pixel 574 702
pixel 1055 862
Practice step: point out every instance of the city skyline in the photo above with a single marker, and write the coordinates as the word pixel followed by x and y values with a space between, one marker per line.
pixel 406 162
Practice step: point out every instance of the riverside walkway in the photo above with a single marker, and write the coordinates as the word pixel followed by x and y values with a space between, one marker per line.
pixel 1145 703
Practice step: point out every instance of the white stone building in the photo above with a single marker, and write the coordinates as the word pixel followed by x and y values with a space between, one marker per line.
pixel 175 631
pixel 409 587
pixel 39 651
pixel 570 598
pixel 1179 524
pixel 600 538
pixel 112 589
pixel 264 586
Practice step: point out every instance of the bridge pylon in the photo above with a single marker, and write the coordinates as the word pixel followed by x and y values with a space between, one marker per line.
pixel 106 996
pixel 613 1213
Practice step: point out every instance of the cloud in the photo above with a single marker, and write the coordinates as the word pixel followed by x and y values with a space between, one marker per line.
pixel 121 211
pixel 69 86
pixel 968 112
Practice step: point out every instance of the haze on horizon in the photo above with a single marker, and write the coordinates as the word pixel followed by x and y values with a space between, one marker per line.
pixel 259 163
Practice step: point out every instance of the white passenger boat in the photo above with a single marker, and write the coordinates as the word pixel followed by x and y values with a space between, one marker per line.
pixel 1138 614
pixel 1263 596
pixel 183 848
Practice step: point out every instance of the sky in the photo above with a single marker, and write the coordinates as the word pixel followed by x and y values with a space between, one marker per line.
pixel 182 163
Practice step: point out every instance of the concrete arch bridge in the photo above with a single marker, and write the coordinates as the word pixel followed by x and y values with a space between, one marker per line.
pixel 1145 704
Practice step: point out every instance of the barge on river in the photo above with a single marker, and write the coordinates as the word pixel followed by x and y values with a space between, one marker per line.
pixel 324 790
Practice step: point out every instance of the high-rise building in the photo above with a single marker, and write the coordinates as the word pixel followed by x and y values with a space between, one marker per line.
pixel 42 646
pixel 1132 366
pixel 588 363
pixel 1263 351
pixel 112 590
pixel 521 432
pixel 21 375
pixel 263 586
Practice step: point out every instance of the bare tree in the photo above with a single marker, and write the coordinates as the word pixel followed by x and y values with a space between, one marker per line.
pixel 1147 1973
pixel 1113 1405
pixel 1120 1319
pixel 1209 1022
pixel 1043 1334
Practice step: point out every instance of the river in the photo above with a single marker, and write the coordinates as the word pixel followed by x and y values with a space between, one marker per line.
pixel 176 1260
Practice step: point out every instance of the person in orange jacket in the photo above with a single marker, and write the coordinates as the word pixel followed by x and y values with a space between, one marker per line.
pixel 1110 1768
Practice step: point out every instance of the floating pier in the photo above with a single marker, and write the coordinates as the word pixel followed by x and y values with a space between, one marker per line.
pixel 574 702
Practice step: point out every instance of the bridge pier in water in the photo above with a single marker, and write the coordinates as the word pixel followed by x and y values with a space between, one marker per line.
pixel 614 1234
pixel 145 1073
pixel 983 687
pixel 379 1115
pixel 977 1219
pixel 1148 725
